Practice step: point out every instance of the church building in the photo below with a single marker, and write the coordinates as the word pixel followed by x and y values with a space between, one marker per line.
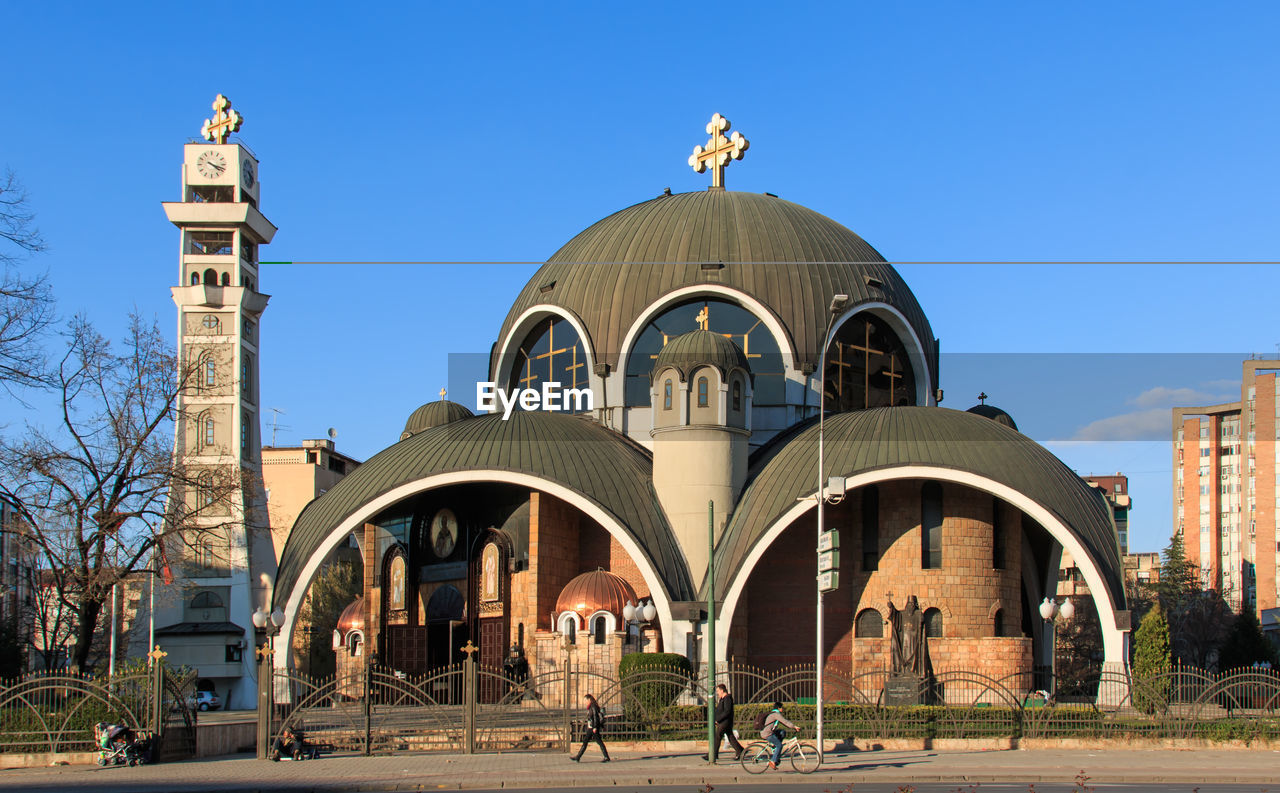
pixel 709 327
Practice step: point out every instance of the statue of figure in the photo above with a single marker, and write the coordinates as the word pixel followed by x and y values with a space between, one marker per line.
pixel 910 654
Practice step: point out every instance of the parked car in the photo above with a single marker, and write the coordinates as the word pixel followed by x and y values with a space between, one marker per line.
pixel 204 700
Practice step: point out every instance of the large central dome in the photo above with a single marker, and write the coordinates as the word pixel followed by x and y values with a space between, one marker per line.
pixel 786 256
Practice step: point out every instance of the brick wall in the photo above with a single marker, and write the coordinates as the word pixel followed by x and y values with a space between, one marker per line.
pixel 774 626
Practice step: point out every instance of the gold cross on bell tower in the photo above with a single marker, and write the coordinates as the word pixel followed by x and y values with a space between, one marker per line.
pixel 224 121
pixel 719 150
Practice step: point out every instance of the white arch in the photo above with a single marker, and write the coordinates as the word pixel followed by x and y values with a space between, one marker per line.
pixel 762 312
pixel 372 508
pixel 1115 648
pixel 899 324
pixel 521 327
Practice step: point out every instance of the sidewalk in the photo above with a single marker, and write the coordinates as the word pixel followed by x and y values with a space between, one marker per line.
pixel 634 769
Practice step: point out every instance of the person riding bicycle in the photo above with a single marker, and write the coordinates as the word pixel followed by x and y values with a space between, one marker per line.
pixel 774 733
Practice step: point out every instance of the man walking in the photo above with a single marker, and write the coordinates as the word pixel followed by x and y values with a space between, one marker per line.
pixel 724 724
pixel 593 729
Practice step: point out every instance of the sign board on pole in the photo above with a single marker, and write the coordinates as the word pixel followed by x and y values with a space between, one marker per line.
pixel 829 581
pixel 829 540
pixel 829 560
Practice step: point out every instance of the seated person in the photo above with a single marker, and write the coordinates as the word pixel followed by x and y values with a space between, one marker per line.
pixel 289 744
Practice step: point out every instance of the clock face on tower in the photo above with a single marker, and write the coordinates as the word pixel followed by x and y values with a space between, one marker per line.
pixel 444 533
pixel 211 164
pixel 246 174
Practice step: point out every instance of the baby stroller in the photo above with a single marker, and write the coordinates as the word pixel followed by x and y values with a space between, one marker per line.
pixel 120 745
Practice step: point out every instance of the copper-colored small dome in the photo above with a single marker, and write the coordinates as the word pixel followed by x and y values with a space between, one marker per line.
pixel 352 618
pixel 598 590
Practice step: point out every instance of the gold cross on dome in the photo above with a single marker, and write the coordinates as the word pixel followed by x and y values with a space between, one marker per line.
pixel 224 121
pixel 442 393
pixel 469 648
pixel 719 150
pixel 156 654
pixel 704 318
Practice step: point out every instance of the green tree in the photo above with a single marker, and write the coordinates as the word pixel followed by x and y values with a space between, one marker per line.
pixel 1179 578
pixel 1151 660
pixel 334 588
pixel 1245 645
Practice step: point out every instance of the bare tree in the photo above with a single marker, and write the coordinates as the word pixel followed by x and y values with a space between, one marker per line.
pixel 26 302
pixel 94 494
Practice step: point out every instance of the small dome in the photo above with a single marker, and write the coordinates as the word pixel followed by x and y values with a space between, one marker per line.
pixel 700 347
pixel 433 414
pixel 598 590
pixel 995 414
pixel 352 618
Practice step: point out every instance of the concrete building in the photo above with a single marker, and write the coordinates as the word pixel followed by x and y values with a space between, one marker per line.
pixel 224 566
pixel 294 476
pixel 1225 494
pixel 1115 489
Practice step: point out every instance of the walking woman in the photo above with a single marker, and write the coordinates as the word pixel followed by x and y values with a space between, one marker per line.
pixel 593 730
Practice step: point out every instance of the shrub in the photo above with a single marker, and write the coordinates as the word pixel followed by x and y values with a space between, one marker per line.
pixel 1152 687
pixel 650 683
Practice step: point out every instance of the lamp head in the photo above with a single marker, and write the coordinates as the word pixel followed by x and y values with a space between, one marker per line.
pixel 628 612
pixel 1048 608
pixel 259 619
pixel 650 611
pixel 838 303
pixel 277 617
pixel 1067 609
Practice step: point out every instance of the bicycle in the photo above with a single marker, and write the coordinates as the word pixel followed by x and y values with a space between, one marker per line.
pixel 805 757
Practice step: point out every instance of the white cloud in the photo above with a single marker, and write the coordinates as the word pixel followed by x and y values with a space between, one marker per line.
pixel 1153 424
pixel 1163 397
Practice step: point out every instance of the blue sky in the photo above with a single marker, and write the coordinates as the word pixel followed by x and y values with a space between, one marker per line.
pixel 1021 135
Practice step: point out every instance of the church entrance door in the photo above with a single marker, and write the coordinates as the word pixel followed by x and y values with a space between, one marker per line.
pixel 493 648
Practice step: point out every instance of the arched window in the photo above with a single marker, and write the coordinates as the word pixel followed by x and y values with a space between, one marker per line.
pixel 931 526
pixel 226 279
pixel 551 352
pixel 666 395
pixel 204 490
pixel 210 277
pixel 207 371
pixel 206 600
pixel 205 426
pixel 867 367
pixel 737 395
pixel 568 625
pixel 724 317
pixel 868 625
pixel 997 624
pixel 205 557
pixel 702 392
pixel 870 528
pixel 598 626
pixel 933 623
pixel 997 537
pixel 195 279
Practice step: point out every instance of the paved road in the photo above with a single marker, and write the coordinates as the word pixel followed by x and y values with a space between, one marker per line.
pixel 931 771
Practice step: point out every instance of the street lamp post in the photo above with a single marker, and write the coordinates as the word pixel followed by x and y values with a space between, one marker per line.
pixel 837 305
pixel 270 622
pixel 1049 610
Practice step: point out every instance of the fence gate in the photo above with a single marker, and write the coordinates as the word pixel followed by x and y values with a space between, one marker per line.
pixel 461 708
pixel 56 712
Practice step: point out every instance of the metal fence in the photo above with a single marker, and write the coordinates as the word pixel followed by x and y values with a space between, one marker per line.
pixel 56 711
pixel 468 708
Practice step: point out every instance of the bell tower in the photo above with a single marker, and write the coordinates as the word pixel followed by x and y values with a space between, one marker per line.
pixel 222 571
